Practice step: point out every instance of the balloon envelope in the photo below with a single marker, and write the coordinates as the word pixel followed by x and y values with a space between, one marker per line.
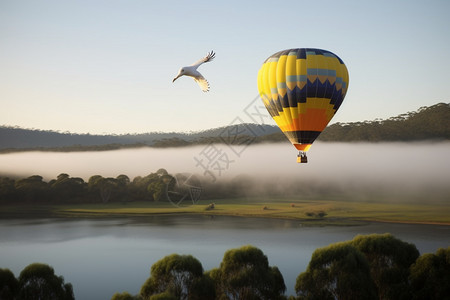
pixel 302 89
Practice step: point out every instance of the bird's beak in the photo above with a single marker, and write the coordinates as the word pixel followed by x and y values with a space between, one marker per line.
pixel 175 78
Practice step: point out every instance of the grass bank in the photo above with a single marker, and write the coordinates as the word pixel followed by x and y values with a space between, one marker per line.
pixel 307 211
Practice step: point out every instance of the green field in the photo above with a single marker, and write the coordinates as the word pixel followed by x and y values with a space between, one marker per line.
pixel 311 211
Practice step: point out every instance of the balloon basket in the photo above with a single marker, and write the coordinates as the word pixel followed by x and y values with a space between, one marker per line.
pixel 301 158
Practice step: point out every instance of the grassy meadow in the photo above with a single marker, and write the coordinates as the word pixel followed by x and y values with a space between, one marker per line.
pixel 306 211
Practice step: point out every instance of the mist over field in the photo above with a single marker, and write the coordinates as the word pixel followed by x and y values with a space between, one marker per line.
pixel 414 169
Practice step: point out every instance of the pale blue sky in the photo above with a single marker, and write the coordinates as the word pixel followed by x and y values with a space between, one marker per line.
pixel 107 66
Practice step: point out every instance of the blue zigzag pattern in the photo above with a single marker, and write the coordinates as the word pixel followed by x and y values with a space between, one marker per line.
pixel 314 89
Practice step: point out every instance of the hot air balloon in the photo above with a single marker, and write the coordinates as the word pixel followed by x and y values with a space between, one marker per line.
pixel 302 89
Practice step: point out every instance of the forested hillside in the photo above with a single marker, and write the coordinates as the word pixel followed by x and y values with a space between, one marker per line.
pixel 427 123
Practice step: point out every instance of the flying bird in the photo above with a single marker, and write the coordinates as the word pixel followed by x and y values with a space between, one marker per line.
pixel 192 71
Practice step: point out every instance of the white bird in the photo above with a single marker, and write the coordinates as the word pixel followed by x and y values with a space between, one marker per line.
pixel 192 71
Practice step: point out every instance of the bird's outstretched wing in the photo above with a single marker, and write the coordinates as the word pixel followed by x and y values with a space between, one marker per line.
pixel 202 82
pixel 209 57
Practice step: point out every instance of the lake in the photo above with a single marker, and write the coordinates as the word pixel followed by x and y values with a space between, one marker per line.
pixel 103 256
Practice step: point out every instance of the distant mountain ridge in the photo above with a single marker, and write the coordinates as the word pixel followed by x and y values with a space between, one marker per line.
pixel 427 123
pixel 17 138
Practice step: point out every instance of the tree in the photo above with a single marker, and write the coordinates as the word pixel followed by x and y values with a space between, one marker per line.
pixel 137 189
pixel 9 286
pixel 148 187
pixel 124 296
pixel 338 271
pixel 7 190
pixel 159 184
pixel 122 186
pixel 156 188
pixel 38 281
pixel 245 273
pixel 123 179
pixel 66 188
pixel 162 172
pixel 104 186
pixel 153 186
pixel 163 296
pixel 389 260
pixel 32 189
pixel 176 275
pixel 430 276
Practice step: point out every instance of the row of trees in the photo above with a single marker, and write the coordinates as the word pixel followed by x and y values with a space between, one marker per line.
pixel 157 186
pixel 367 267
pixel 377 266
pixel 152 187
pixel 66 189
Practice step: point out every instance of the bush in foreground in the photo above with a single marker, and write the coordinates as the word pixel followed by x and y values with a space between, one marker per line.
pixel 430 276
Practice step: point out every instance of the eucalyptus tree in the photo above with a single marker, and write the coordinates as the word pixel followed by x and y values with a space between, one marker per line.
pixel 38 281
pixel 66 188
pixel 105 187
pixel 178 276
pixel 244 273
pixel 338 271
pixel 32 189
pixel 430 276
pixel 9 285
pixel 124 296
pixel 389 260
pixel 7 190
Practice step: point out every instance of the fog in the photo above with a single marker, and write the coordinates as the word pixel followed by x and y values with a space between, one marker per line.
pixel 398 168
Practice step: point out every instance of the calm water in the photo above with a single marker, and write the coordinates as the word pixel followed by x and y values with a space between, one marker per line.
pixel 101 257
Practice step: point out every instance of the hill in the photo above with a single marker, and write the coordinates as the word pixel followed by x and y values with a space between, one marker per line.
pixel 427 123
pixel 19 139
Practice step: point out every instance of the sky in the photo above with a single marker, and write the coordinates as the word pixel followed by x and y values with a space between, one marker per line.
pixel 106 67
